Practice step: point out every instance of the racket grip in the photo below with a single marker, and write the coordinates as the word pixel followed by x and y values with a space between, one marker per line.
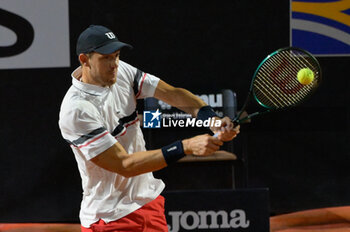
pixel 235 124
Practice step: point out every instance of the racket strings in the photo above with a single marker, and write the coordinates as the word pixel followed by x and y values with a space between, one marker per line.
pixel 271 85
pixel 311 64
pixel 292 82
pixel 305 59
pixel 271 100
pixel 276 84
pixel 277 99
pixel 302 61
pixel 267 87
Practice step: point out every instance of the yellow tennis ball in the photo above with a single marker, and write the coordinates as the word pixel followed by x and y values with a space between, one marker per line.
pixel 305 76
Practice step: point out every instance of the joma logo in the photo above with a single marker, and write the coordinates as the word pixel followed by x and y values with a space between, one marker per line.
pixel 190 220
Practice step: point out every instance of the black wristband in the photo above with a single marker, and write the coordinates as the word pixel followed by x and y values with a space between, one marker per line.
pixel 173 152
pixel 206 112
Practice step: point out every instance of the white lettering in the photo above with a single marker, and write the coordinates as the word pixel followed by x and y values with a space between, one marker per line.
pixel 175 216
pixel 174 122
pixel 191 220
pixel 238 219
pixel 164 106
pixel 172 148
pixel 184 221
pixel 217 123
pixel 148 124
pixel 110 35
pixel 181 123
pixel 210 99
pixel 214 219
pixel 206 123
pixel 190 122
pixel 164 123
pixel 184 120
pixel 218 102
pixel 199 123
pixel 205 98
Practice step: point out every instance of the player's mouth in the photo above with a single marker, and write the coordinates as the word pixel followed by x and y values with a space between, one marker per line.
pixel 112 73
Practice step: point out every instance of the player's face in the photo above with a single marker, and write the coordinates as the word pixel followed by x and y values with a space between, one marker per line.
pixel 104 68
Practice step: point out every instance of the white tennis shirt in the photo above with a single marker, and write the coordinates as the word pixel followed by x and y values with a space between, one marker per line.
pixel 92 119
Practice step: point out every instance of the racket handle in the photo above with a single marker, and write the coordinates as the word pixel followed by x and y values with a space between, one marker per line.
pixel 235 124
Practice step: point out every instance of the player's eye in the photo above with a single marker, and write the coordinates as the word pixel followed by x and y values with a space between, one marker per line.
pixel 108 57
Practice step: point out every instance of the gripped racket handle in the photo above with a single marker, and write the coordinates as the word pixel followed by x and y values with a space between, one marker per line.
pixel 235 124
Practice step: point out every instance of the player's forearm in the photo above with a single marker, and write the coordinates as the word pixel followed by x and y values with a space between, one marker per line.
pixel 143 162
pixel 179 98
pixel 116 159
pixel 187 102
pixel 147 161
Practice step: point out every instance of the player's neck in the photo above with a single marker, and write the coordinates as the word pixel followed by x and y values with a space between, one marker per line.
pixel 87 78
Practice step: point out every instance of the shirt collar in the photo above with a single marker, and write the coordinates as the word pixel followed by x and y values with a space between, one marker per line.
pixel 88 88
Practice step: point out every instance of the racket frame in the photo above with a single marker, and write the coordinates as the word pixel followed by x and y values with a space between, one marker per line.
pixel 238 120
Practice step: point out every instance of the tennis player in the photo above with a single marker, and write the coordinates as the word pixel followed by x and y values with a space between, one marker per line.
pixel 98 119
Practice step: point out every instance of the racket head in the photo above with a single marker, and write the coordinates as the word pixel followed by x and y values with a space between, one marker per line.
pixel 275 84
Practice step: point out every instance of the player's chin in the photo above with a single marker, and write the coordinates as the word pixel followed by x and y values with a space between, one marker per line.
pixel 111 81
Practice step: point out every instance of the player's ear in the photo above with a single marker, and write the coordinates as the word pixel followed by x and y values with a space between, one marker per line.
pixel 84 59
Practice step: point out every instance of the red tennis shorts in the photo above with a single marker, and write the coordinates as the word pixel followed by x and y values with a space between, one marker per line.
pixel 149 218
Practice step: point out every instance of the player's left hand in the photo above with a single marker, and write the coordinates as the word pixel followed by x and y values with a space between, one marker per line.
pixel 227 131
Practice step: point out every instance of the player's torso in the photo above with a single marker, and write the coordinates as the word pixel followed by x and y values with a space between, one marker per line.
pixel 118 112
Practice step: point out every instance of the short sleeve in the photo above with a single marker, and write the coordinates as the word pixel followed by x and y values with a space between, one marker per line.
pixel 144 84
pixel 82 128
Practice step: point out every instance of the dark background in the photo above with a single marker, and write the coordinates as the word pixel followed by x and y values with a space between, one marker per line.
pixel 301 155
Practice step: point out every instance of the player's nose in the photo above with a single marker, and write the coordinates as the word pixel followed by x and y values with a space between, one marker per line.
pixel 114 65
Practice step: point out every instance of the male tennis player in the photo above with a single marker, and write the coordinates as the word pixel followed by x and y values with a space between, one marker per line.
pixel 98 119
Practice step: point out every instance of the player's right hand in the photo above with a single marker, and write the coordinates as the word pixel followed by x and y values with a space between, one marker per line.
pixel 201 145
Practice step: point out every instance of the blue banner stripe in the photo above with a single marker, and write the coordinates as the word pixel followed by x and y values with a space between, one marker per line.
pixel 318 44
pixel 346 11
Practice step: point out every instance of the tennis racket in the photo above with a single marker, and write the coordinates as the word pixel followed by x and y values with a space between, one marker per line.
pixel 275 85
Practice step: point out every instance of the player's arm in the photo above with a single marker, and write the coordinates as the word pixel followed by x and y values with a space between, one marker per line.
pixel 191 104
pixel 116 159
pixel 179 98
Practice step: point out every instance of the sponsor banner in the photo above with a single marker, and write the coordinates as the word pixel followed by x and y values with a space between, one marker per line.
pixel 219 210
pixel 321 27
pixel 34 34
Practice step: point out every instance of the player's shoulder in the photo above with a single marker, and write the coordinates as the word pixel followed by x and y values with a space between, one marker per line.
pixel 124 64
pixel 126 69
pixel 73 101
pixel 74 109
